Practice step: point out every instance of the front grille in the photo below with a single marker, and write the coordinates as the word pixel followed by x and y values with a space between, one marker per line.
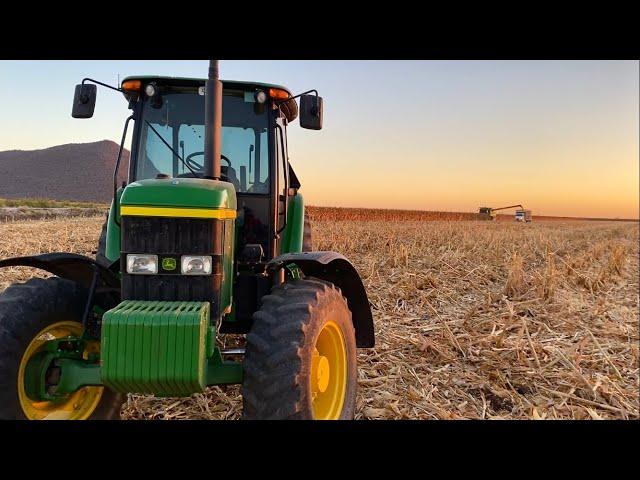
pixel 170 287
pixel 161 235
pixel 172 236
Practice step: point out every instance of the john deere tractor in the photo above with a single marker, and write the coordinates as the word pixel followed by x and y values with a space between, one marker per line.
pixel 208 237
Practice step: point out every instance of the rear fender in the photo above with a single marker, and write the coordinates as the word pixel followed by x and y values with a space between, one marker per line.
pixel 337 269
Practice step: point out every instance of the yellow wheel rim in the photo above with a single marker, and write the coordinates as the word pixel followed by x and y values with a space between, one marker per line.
pixel 329 373
pixel 76 406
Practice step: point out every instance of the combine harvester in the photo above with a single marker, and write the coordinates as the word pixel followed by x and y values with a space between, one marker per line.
pixel 191 249
pixel 489 213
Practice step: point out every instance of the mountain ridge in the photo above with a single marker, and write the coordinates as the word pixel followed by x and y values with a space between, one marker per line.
pixel 72 171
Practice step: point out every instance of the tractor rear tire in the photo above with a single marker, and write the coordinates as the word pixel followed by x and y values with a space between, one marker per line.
pixel 300 360
pixel 101 257
pixel 307 239
pixel 27 310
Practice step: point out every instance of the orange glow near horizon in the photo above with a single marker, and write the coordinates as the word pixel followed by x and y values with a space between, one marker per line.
pixel 562 143
pixel 559 137
pixel 589 184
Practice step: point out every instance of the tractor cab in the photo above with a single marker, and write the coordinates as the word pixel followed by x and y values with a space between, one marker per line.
pixel 169 144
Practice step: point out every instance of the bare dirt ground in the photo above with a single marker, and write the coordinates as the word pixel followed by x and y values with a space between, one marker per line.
pixel 473 319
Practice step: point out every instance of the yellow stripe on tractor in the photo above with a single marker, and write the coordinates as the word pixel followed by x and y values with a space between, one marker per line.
pixel 219 213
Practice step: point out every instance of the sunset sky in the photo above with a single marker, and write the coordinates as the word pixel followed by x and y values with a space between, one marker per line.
pixel 560 137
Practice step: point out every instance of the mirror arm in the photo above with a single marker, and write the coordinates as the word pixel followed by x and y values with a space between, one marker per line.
pixel 296 96
pixel 100 83
pixel 115 171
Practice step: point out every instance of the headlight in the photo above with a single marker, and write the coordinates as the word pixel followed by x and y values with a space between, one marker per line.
pixel 142 264
pixel 196 264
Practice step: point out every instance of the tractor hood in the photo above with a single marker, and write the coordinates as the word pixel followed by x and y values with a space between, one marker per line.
pixel 180 192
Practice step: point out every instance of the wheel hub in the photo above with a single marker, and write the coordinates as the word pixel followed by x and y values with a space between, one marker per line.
pixel 75 406
pixel 328 376
pixel 320 372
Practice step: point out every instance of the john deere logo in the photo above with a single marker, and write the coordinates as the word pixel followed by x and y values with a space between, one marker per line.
pixel 168 263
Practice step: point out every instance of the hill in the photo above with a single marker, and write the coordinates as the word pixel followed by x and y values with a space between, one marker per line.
pixel 75 171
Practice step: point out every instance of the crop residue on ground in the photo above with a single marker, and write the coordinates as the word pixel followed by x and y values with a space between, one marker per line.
pixel 473 319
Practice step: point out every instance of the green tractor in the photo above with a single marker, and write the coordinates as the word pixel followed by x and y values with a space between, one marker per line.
pixel 209 237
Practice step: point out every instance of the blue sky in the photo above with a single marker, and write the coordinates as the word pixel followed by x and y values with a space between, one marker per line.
pixel 561 137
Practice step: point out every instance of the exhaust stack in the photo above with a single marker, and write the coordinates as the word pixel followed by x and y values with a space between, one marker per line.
pixel 212 122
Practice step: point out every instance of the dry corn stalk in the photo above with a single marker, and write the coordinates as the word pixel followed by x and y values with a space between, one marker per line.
pixel 458 335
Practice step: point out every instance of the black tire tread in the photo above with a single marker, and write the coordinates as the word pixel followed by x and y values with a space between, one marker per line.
pixel 273 360
pixel 26 309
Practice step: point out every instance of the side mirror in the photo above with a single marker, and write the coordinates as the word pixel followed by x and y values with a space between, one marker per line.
pixel 84 101
pixel 311 112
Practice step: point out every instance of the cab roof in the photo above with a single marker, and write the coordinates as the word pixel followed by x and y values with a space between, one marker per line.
pixel 288 107
pixel 187 81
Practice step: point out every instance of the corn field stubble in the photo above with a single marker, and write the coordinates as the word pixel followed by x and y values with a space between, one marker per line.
pixel 473 319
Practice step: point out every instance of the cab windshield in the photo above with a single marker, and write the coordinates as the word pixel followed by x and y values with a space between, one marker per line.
pixel 175 121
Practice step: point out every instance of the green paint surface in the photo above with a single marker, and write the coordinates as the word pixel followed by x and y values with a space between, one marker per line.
pixel 293 234
pixel 220 372
pixel 180 193
pixel 155 347
pixel 226 293
pixel 112 250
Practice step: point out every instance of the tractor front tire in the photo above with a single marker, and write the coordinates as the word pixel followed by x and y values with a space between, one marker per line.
pixel 31 313
pixel 300 360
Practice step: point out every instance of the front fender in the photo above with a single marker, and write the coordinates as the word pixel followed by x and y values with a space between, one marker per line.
pixel 71 266
pixel 337 269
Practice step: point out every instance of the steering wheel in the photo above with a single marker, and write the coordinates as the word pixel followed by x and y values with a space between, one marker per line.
pixel 196 166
